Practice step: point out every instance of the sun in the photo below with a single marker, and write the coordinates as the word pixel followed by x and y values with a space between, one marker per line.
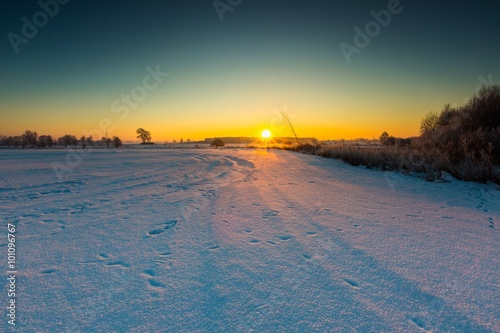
pixel 266 134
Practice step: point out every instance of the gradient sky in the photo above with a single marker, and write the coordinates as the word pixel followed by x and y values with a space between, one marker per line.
pixel 233 77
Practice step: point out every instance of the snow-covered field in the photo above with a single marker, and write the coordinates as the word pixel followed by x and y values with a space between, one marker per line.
pixel 245 240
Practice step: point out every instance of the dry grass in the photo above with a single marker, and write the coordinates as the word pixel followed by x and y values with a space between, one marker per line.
pixel 411 160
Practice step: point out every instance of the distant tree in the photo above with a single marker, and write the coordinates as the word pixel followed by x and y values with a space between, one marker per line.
pixel 12 142
pixel 387 140
pixel 287 142
pixel 109 142
pixel 30 138
pixel 383 137
pixel 68 140
pixel 87 141
pixel 117 142
pixel 175 141
pixel 181 140
pixel 17 141
pixel 42 141
pixel 217 143
pixel 188 140
pixel 5 141
pixel 24 141
pixel 50 141
pixel 144 135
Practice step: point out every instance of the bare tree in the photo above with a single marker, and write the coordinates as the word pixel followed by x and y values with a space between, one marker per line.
pixel 30 138
pixel 286 120
pixel 68 140
pixel 42 141
pixel 5 141
pixel 144 135
pixel 17 141
pixel 50 141
pixel 90 140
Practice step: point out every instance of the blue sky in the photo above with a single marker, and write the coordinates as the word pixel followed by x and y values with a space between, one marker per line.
pixel 230 77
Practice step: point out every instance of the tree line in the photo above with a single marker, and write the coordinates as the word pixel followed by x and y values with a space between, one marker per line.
pixel 30 139
pixel 462 140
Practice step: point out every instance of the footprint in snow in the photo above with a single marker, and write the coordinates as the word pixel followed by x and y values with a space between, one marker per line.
pixel 120 263
pixel 164 257
pixel 352 283
pixel 156 284
pixel 163 227
pixel 418 322
pixel 149 272
pixel 269 214
pixel 49 271
pixel 210 193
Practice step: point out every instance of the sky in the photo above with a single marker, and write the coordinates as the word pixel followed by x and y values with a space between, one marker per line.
pixel 203 68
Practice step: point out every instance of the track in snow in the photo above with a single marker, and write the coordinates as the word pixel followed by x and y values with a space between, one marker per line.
pixel 247 240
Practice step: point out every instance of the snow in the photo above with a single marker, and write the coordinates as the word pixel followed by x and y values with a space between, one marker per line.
pixel 245 240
